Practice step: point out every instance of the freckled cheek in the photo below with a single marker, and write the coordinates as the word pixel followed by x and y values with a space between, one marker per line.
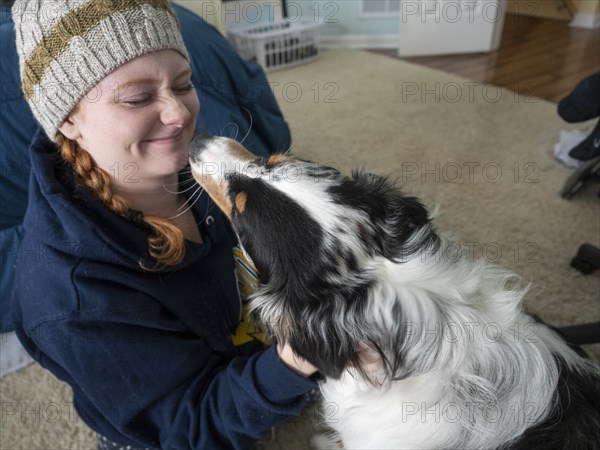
pixel 136 129
pixel 114 134
pixel 193 106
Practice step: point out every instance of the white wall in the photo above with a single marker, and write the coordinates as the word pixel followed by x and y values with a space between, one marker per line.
pixel 231 14
pixel 345 25
pixel 209 10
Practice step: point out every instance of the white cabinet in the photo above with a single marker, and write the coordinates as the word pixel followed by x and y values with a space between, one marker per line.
pixel 437 27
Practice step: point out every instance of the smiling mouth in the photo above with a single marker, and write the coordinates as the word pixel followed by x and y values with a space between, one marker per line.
pixel 166 139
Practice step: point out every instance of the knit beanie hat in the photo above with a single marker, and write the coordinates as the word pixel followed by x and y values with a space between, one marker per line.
pixel 66 47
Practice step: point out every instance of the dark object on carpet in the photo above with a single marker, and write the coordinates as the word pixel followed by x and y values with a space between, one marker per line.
pixel 583 103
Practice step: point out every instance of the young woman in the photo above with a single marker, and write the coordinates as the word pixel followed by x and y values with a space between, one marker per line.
pixel 126 289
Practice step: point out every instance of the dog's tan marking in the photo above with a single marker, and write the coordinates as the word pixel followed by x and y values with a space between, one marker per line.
pixel 238 150
pixel 278 159
pixel 217 191
pixel 240 201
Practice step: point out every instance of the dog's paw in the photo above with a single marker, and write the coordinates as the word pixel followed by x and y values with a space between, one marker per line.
pixel 325 441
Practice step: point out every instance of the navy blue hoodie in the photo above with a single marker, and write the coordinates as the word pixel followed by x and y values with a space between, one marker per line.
pixel 148 354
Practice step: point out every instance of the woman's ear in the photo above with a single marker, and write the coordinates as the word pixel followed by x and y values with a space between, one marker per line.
pixel 70 127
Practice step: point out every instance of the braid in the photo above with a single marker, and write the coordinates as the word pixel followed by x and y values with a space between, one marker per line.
pixel 91 175
pixel 166 244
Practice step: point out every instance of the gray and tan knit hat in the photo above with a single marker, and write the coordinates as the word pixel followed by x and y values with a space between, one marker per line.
pixel 66 47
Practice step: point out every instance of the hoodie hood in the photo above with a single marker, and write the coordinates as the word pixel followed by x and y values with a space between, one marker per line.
pixel 66 216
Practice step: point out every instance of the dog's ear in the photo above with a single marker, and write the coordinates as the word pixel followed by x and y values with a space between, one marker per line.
pixel 331 355
pixel 395 217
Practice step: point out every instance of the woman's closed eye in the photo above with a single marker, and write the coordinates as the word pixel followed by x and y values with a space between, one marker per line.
pixel 136 101
pixel 181 90
pixel 143 99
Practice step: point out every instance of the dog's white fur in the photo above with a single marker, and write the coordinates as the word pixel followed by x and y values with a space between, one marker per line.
pixel 463 319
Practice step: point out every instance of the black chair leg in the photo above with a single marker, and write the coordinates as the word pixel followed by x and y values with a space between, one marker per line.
pixel 585 333
pixel 587 259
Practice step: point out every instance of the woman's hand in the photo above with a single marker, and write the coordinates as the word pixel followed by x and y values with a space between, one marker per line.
pixel 370 359
pixel 293 361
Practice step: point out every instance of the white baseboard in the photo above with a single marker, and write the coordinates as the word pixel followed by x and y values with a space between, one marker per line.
pixel 360 41
pixel 590 21
pixel 12 354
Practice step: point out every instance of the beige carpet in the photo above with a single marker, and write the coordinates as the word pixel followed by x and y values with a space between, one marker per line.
pixel 482 154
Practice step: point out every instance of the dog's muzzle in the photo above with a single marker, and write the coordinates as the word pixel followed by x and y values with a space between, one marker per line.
pixel 212 160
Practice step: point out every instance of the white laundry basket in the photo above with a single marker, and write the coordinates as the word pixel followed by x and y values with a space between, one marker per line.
pixel 276 45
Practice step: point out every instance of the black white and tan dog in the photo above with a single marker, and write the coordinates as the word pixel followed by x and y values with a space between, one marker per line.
pixel 348 262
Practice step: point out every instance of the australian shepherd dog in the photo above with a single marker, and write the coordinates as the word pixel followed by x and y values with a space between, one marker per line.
pixel 349 263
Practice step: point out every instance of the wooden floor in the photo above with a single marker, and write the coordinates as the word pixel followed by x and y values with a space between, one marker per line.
pixel 537 57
